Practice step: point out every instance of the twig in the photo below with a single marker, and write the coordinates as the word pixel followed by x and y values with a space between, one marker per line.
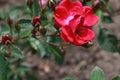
pixel 50 43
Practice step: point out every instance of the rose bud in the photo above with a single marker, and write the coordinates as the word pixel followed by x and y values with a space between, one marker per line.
pixel 9 21
pixel 29 2
pixel 52 4
pixel 6 39
pixel 42 2
pixel 96 5
pixel 36 21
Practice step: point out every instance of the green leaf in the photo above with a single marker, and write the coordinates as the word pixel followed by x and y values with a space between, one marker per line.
pixel 116 78
pixel 56 40
pixel 16 52
pixel 25 24
pixel 15 12
pixel 110 9
pixel 3 66
pixel 107 19
pixel 16 77
pixel 23 21
pixel 68 79
pixel 97 74
pixel 32 77
pixel 59 57
pixel 107 41
pixel 22 70
pixel 45 49
pixel 100 14
pixel 25 33
pixel 44 20
pixel 40 47
pixel 9 74
pixel 36 9
pixel 106 1
pixel 19 8
pixel 1 14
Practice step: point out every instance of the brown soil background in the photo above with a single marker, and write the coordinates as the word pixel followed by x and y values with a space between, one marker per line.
pixel 78 61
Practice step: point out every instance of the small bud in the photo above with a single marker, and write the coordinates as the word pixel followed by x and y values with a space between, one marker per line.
pixel 29 2
pixel 88 45
pixel 36 21
pixel 96 5
pixel 52 4
pixel 9 21
pixel 42 2
pixel 42 31
pixel 6 39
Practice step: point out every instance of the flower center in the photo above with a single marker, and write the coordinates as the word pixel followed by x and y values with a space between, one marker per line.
pixel 81 32
pixel 68 19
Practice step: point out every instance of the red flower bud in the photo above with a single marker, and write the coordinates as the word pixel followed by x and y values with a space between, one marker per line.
pixel 96 4
pixel 36 21
pixel 9 21
pixel 42 2
pixel 52 4
pixel 29 2
pixel 6 39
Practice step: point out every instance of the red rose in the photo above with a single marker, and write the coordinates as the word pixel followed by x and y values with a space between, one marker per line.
pixel 75 22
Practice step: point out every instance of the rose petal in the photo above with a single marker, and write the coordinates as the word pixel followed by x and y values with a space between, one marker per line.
pixel 86 34
pixel 60 15
pixel 66 3
pixel 77 3
pixel 68 32
pixel 87 9
pixel 76 22
pixel 89 18
pixel 64 37
pixel 76 8
pixel 79 42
